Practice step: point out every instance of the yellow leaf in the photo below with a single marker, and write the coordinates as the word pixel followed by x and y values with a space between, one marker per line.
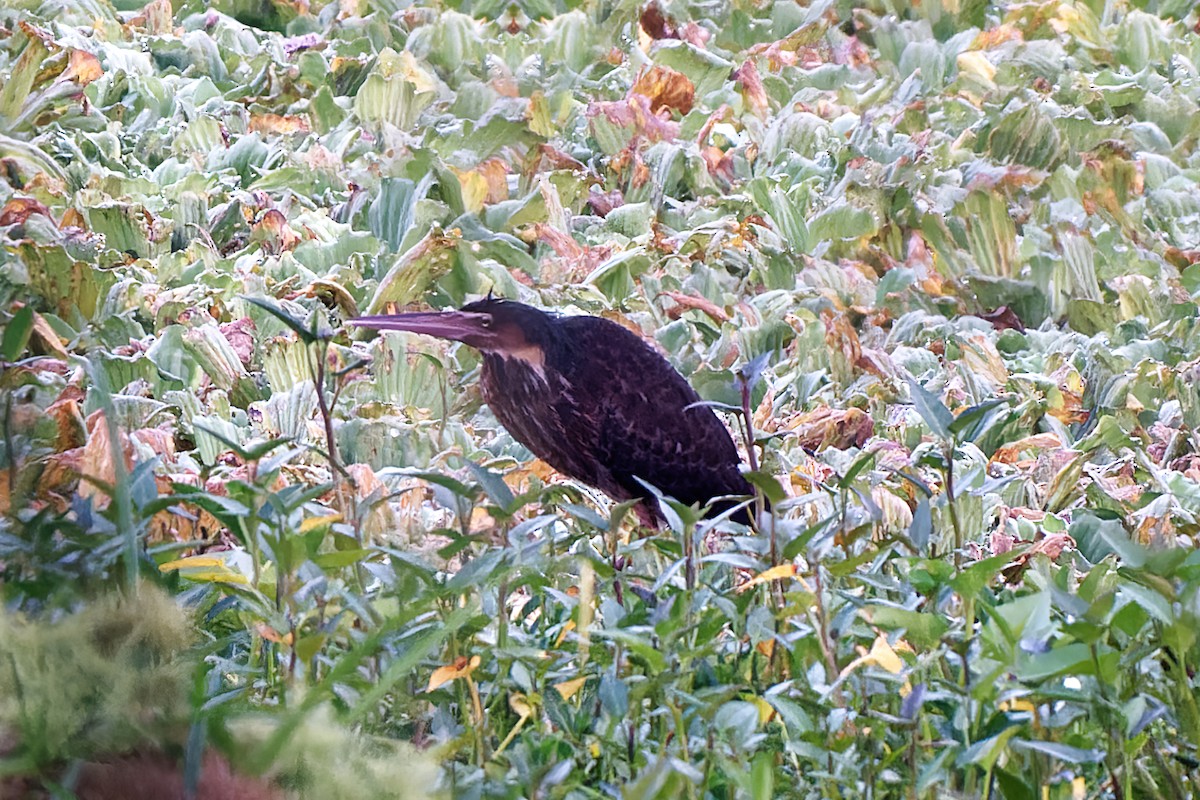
pixel 520 705
pixel 897 516
pixel 644 40
pixel 205 569
pixel 415 74
pixel 766 711
pixel 883 655
pixel 773 574
pixel 567 628
pixel 983 360
pixel 567 689
pixel 192 561
pixel 474 189
pixel 539 115
pixel 1017 704
pixel 459 669
pixel 977 65
pixel 312 523
pixel 766 647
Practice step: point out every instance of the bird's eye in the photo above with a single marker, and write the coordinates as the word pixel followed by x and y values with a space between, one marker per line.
pixel 487 323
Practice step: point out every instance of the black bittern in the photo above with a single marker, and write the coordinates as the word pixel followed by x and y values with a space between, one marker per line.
pixel 592 400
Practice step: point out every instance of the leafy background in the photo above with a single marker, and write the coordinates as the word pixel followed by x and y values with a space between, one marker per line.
pixel 948 249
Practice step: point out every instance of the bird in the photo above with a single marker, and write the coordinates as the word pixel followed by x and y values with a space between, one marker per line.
pixel 595 401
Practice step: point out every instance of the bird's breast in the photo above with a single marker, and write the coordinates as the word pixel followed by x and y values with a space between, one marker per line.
pixel 537 408
pixel 513 379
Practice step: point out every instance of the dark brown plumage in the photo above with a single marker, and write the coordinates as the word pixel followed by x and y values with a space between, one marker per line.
pixel 593 400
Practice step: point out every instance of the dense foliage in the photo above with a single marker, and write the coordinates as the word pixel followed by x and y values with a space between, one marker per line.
pixel 946 253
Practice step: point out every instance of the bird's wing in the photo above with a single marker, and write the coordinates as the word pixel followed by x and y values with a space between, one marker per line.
pixel 647 425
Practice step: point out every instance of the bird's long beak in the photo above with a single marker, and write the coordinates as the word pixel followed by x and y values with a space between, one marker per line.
pixel 461 326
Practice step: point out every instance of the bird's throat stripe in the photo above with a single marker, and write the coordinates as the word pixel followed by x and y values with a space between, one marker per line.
pixel 532 355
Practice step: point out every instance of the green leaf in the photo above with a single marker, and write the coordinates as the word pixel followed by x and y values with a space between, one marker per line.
pixel 340 558
pixel 1059 661
pixel 923 630
pixel 972 423
pixel 1013 787
pixel 494 487
pixel 639 646
pixel 1098 537
pixel 865 461
pixel 762 777
pixel 768 485
pixel 932 410
pixel 1062 752
pixel 16 334
pixel 974 578
pixel 922 526
pixel 307 334
pixel 985 752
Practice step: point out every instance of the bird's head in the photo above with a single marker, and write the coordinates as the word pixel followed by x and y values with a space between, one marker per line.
pixel 492 326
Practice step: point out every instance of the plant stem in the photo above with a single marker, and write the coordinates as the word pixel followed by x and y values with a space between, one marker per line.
pixel 823 635
pixel 502 611
pixel 748 427
pixel 121 498
pixel 959 541
pixel 8 445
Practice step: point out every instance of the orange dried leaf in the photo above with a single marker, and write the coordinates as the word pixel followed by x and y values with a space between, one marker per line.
pixel 275 233
pixel 666 88
pixel 278 123
pixel 272 635
pixel 1013 451
pixel 82 68
pixel 34 32
pixel 1053 545
pixel 635 112
pixel 45 339
pixel 826 427
pixel 67 414
pixel 750 82
pixel 19 209
pixel 96 461
pixel 156 17
pixel 495 176
pixel 687 301
pixel 997 36
pixel 461 668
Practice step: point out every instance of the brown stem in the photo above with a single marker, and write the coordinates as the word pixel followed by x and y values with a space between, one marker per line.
pixel 823 636
pixel 748 425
